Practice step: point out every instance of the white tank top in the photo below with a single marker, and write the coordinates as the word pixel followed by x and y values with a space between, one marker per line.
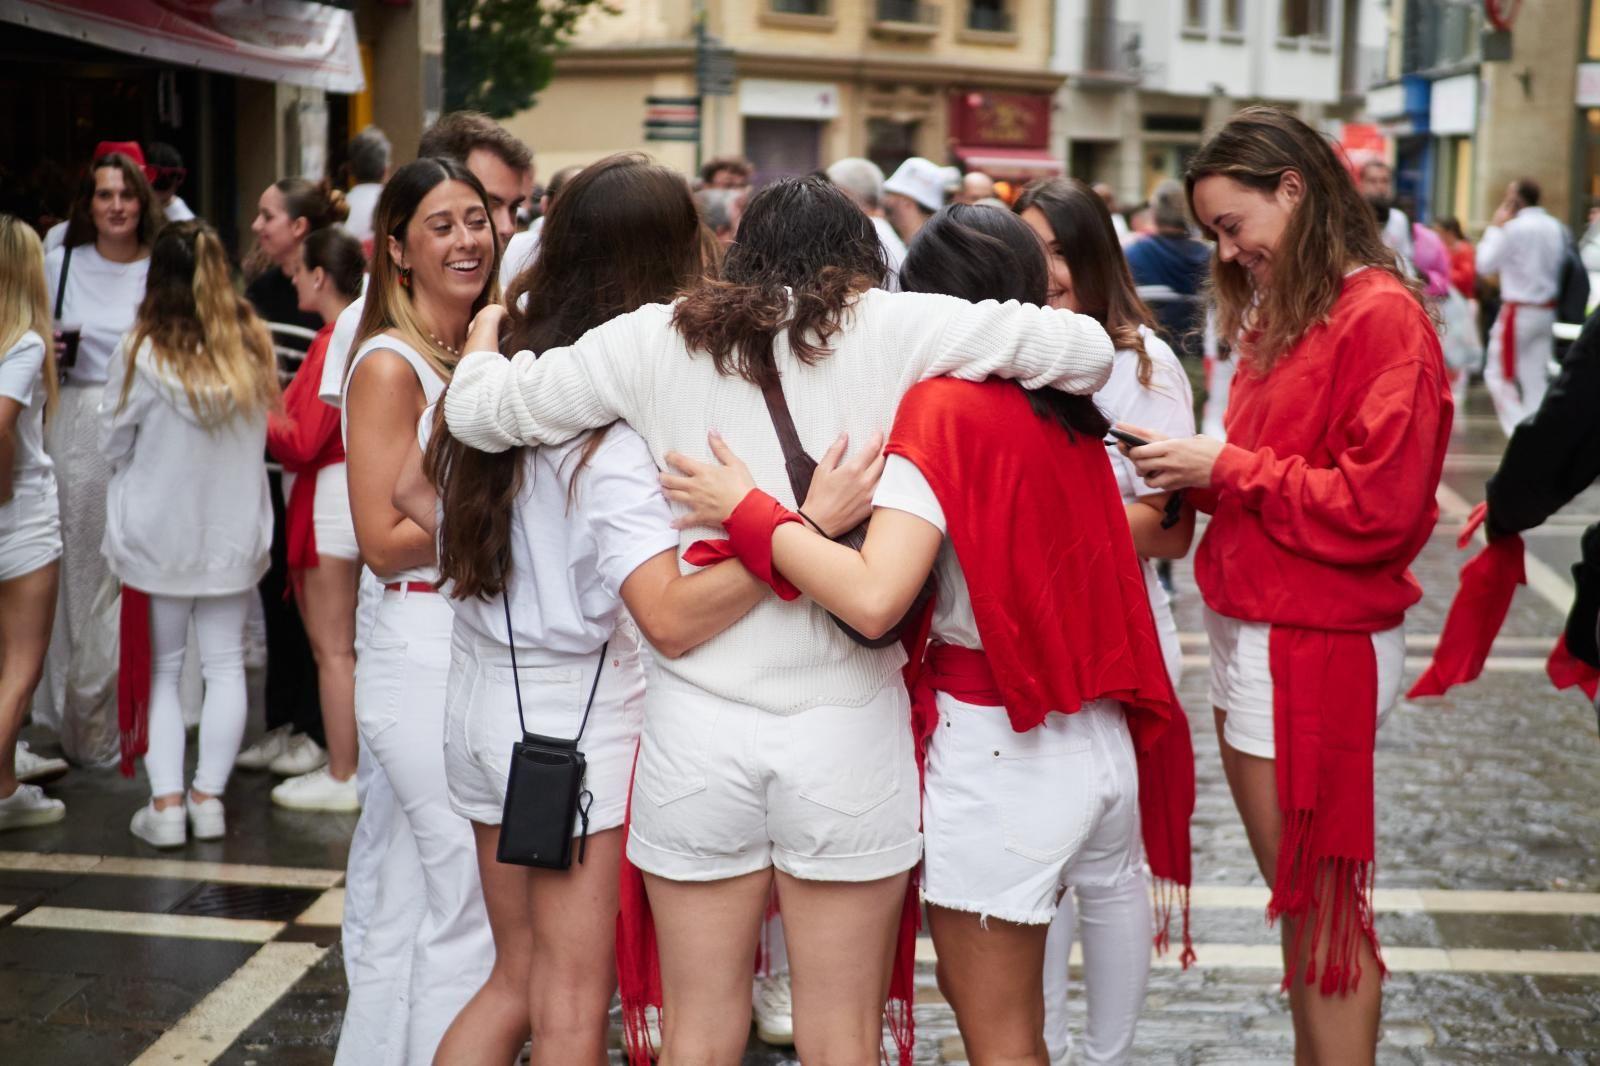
pixel 432 386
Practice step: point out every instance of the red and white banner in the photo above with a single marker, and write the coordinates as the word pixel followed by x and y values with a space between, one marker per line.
pixel 291 41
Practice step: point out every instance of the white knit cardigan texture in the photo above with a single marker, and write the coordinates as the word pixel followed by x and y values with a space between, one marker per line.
pixel 781 657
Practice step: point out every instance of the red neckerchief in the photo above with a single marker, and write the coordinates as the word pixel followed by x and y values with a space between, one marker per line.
pixel 1022 499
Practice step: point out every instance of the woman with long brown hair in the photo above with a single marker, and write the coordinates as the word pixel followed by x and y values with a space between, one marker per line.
pixel 1320 500
pixel 96 282
pixel 779 743
pixel 554 542
pixel 1090 275
pixel 188 522
pixel 434 268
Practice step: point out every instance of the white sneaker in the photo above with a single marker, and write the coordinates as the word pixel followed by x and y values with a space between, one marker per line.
pixel 36 769
pixel 160 829
pixel 773 1008
pixel 28 805
pixel 317 791
pixel 300 756
pixel 259 755
pixel 207 821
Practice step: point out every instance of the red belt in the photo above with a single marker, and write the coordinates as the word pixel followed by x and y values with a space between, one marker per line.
pixel 411 586
pixel 1508 339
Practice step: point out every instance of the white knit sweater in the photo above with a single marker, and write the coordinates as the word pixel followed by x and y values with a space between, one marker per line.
pixel 782 657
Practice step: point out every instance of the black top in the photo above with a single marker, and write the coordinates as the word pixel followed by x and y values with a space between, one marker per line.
pixel 273 296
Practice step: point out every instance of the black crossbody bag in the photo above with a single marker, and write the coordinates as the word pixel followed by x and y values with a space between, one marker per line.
pixel 545 796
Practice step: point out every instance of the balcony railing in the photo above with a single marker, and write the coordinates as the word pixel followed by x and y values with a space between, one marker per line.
pixel 986 19
pixel 800 7
pixel 1112 49
pixel 910 12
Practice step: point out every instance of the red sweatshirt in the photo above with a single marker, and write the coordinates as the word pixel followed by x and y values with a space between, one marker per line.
pixel 305 438
pixel 1324 492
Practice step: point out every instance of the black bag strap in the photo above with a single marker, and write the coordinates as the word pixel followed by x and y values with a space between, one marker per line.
pixel 516 681
pixel 61 282
pixel 799 466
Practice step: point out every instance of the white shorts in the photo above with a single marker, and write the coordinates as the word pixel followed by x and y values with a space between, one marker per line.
pixel 724 789
pixel 481 724
pixel 1011 819
pixel 1241 679
pixel 30 532
pixel 330 514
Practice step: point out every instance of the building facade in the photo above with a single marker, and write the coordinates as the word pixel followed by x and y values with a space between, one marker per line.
pixel 809 81
pixel 1146 78
pixel 1469 109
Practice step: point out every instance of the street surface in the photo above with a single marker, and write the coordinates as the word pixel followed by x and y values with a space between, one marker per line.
pixel 1488 882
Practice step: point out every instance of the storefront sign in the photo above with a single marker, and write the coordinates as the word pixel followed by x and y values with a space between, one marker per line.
pixel 779 98
pixel 1001 120
pixel 290 41
pixel 1453 108
pixel 1386 101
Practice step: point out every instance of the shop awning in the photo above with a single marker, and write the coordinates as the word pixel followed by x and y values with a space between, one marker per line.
pixel 291 41
pixel 1010 162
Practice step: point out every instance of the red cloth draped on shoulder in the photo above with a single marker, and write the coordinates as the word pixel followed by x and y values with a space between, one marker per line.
pixel 1058 594
pixel 305 438
pixel 1321 498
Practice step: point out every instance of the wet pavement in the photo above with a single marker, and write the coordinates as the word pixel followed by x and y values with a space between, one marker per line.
pixel 1488 897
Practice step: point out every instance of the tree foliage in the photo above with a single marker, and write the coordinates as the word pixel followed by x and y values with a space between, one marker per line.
pixel 498 54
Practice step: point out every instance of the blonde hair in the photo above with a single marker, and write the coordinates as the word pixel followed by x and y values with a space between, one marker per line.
pixel 388 302
pixel 24 296
pixel 1331 230
pixel 200 330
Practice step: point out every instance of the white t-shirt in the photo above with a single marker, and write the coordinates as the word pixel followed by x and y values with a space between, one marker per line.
pixel 341 343
pixel 177 211
pixel 102 299
pixel 894 251
pixel 362 200
pixel 54 238
pixel 568 561
pixel 521 250
pixel 22 380
pixel 903 488
pixel 1166 405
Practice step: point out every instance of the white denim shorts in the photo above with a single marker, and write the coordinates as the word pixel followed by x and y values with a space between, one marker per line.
pixel 1010 819
pixel 724 789
pixel 30 532
pixel 330 514
pixel 1241 679
pixel 481 724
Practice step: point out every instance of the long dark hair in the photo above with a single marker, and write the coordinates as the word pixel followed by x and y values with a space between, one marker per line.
pixel 388 301
pixel 80 218
pixel 623 233
pixel 802 253
pixel 337 252
pixel 985 253
pixel 1331 229
pixel 1102 285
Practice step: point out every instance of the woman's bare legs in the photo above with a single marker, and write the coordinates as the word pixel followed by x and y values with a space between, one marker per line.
pixel 992 973
pixel 27 611
pixel 1328 1030
pixel 707 933
pixel 841 937
pixel 554 968
pixel 327 597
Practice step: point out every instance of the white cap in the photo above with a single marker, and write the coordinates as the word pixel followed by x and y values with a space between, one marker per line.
pixel 922 180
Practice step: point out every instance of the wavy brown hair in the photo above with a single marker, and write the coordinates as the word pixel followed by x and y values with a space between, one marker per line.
pixel 1102 285
pixel 1331 230
pixel 803 252
pixel 623 234
pixel 80 219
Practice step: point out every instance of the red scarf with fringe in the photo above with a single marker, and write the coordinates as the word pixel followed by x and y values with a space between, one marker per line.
pixel 1017 489
pixel 1325 721
pixel 133 677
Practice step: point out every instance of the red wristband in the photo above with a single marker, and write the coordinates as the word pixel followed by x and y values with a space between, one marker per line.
pixel 750 528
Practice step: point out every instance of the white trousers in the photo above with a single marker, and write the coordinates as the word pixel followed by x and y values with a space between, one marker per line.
pixel 400 695
pixel 1516 399
pixel 219 632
